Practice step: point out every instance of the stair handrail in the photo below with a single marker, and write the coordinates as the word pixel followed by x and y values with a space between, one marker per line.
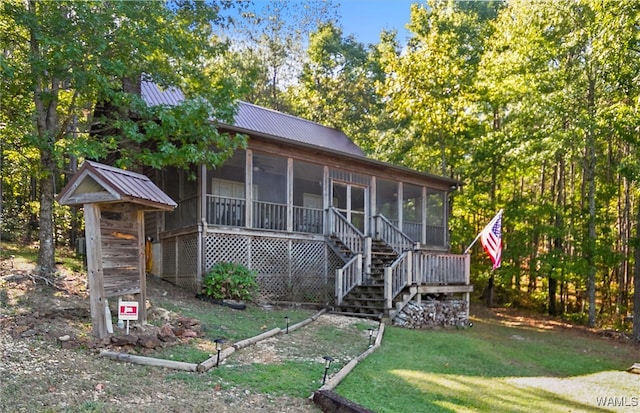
pixel 392 235
pixel 347 277
pixel 346 232
pixel 397 276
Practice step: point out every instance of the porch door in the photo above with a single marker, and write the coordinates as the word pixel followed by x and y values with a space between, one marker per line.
pixel 351 201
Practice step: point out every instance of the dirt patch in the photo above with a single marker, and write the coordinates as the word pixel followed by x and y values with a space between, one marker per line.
pixel 49 360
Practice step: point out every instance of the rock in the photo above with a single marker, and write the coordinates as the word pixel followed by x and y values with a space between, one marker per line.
pixel 64 338
pixel 166 333
pixel 149 342
pixel 189 334
pixel 127 340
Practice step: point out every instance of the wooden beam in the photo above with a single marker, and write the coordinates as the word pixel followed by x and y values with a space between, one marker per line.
pixel 445 289
pixel 95 274
pixel 138 215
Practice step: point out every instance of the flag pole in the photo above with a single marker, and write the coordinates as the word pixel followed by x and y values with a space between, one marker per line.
pixel 471 245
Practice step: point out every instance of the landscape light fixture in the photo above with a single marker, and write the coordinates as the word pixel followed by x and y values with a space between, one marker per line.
pixel 327 364
pixel 219 342
pixel 287 320
pixel 370 336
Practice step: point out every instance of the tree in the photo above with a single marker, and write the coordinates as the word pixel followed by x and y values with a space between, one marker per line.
pixel 430 84
pixel 75 56
pixel 337 85
pixel 272 40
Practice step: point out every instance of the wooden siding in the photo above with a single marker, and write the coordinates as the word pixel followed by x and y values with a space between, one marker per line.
pixel 121 252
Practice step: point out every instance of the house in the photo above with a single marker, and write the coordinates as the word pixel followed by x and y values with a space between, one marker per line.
pixel 318 221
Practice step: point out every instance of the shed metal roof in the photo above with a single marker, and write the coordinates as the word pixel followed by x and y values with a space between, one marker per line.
pixel 252 118
pixel 96 183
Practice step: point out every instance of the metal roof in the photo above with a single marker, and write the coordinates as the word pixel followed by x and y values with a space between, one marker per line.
pixel 95 182
pixel 252 118
pixel 258 121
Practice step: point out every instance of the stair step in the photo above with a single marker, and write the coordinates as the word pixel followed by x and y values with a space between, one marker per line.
pixel 367 299
pixel 376 316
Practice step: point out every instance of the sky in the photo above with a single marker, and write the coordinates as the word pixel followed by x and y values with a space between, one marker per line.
pixel 367 18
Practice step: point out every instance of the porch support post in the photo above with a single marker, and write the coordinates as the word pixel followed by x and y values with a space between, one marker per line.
pixel 410 278
pixel 388 299
pixel 400 206
pixel 423 212
pixel 290 194
pixel 467 279
pixel 367 257
pixel 248 189
pixel 339 292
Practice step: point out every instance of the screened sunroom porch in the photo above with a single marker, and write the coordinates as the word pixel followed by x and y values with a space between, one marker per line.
pixel 262 191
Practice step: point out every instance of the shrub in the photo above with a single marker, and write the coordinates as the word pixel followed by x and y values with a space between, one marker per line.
pixel 229 280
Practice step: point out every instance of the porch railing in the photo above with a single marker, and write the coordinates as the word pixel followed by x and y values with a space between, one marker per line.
pixel 440 269
pixel 347 277
pixel 345 232
pixel 307 219
pixel 269 215
pixel 413 230
pixel 397 276
pixel 392 235
pixel 225 211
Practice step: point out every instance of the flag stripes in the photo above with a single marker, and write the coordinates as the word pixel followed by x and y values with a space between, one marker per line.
pixel 491 239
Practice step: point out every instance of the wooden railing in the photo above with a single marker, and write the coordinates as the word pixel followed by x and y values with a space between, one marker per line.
pixel 269 215
pixel 397 276
pixel 347 277
pixel 225 211
pixel 349 235
pixel 435 268
pixel 392 235
pixel 307 220
pixel 413 230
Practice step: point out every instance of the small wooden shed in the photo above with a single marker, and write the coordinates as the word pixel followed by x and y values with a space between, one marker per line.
pixel 114 202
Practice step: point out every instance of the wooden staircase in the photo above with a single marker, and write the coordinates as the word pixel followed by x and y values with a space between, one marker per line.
pixel 367 299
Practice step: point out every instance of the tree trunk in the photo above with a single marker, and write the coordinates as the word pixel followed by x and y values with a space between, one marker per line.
pixel 46 252
pixel 636 284
pixel 45 97
pixel 590 181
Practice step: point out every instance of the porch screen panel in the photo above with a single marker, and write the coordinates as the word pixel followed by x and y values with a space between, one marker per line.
pixel 307 197
pixel 269 192
pixel 226 204
pixel 412 205
pixel 180 188
pixel 435 210
pixel 358 202
pixel 387 200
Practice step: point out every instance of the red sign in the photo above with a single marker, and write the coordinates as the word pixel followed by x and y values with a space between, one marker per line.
pixel 128 310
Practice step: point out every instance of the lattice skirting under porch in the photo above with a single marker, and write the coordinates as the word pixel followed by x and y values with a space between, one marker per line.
pixel 288 269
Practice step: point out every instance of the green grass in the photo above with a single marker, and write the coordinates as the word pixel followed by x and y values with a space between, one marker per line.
pixel 477 369
pixel 295 379
pixel 235 325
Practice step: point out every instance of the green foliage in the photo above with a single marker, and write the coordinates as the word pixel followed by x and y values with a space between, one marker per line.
pixel 81 61
pixel 229 280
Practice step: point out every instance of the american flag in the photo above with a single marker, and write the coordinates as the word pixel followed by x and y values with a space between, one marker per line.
pixel 491 239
